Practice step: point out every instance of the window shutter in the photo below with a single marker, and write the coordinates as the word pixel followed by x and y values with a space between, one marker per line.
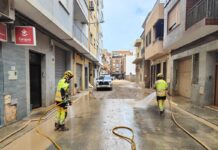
pixel 174 17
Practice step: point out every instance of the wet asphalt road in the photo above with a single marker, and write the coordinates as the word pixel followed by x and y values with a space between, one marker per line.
pixel 92 119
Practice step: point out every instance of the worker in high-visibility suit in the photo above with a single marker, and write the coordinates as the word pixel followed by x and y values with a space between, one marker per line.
pixel 62 101
pixel 161 88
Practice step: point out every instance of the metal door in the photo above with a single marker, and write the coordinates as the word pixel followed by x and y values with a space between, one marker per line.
pixel 86 78
pixel 79 76
pixel 60 64
pixel 35 80
pixel 184 77
pixel 216 87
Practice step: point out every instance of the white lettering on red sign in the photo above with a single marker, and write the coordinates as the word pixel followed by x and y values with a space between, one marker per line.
pixel 25 35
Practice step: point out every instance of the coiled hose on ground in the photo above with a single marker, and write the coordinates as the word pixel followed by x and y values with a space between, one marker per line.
pixel 133 144
pixel 130 140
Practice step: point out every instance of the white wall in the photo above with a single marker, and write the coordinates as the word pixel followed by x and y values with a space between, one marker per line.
pixel 130 67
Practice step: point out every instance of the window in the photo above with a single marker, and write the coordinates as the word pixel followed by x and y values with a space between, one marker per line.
pixel 65 5
pixel 159 30
pixel 148 39
pixel 174 17
pixel 4 6
pixel 91 37
pixel 91 5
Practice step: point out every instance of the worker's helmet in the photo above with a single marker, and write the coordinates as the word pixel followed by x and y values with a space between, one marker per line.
pixel 160 75
pixel 68 74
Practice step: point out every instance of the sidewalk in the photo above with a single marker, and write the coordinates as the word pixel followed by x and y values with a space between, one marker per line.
pixel 207 113
pixel 35 115
pixel 210 115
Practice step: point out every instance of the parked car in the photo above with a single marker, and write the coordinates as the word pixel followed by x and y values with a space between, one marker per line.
pixel 104 82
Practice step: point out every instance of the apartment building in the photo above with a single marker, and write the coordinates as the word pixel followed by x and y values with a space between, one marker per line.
pixel 118 63
pixel 154 51
pixel 95 35
pixel 191 34
pixel 106 60
pixel 40 40
pixel 139 61
pixel 122 53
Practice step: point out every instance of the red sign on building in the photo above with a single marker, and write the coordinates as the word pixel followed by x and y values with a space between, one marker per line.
pixel 3 32
pixel 25 35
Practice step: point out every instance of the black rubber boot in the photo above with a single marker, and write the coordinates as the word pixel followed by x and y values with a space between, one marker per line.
pixel 57 126
pixel 63 128
pixel 162 112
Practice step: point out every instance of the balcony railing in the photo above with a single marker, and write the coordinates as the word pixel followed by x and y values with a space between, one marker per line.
pixel 202 9
pixel 80 35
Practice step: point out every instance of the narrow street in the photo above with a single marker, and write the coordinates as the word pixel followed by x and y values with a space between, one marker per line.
pixel 92 119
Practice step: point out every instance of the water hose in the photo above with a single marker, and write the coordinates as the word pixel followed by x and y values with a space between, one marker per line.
pixel 183 129
pixel 18 130
pixel 130 140
pixel 37 130
pixel 41 132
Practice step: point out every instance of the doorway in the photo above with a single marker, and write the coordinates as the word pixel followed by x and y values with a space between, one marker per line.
pixel 184 77
pixel 165 70
pixel 216 87
pixel 86 78
pixel 79 76
pixel 35 80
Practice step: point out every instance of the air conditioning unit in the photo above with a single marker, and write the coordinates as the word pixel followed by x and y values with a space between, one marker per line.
pixel 7 11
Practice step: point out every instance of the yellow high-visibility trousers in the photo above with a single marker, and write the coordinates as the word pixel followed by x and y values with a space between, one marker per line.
pixel 61 115
pixel 161 105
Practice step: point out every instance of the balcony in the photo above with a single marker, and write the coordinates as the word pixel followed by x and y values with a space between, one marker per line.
pixel 204 9
pixel 138 43
pixel 81 10
pixel 154 50
pixel 80 35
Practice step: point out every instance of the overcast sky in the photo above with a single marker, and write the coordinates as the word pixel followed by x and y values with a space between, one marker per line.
pixel 123 21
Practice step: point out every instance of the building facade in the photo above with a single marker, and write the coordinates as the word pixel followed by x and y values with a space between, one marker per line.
pixel 130 74
pixel 106 60
pixel 191 34
pixel 139 61
pixel 29 73
pixel 95 36
pixel 118 63
pixel 154 37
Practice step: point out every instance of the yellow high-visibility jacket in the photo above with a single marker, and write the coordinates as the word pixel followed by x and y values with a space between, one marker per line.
pixel 161 87
pixel 62 85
